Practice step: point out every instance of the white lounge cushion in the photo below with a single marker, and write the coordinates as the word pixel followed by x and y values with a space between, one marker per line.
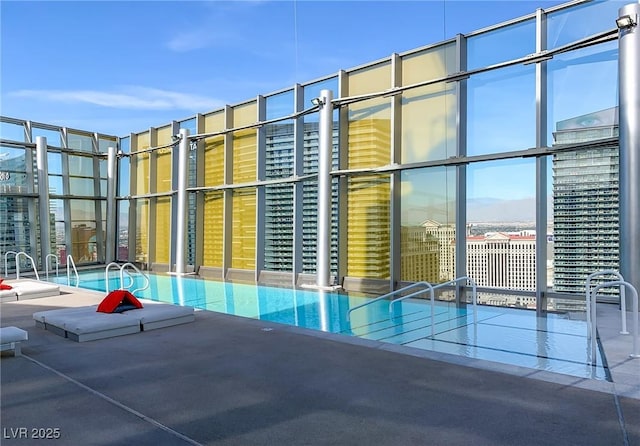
pixel 159 315
pixel 33 289
pixel 11 337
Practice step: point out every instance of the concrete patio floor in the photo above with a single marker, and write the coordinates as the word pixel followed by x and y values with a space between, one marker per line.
pixel 225 380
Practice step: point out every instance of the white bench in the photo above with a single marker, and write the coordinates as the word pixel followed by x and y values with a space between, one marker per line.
pixel 10 339
pixel 85 324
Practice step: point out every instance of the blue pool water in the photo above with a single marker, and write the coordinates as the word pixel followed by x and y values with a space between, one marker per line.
pixel 503 335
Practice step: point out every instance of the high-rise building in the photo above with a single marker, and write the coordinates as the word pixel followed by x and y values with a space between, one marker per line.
pixel 585 202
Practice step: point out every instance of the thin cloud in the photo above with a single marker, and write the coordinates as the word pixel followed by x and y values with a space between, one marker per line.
pixel 138 98
pixel 196 39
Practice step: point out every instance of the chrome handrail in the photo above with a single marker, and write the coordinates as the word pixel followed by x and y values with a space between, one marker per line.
pixel 131 265
pixel 122 269
pixel 71 263
pixel 591 305
pixel 33 264
pixel 634 314
pixel 6 264
pixel 474 295
pixel 46 265
pixel 386 296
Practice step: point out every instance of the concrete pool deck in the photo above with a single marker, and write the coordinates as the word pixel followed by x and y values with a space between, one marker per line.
pixel 229 380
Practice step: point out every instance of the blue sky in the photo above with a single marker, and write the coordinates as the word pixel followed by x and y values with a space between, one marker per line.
pixel 117 67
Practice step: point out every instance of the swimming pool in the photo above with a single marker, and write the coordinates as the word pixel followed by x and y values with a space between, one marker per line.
pixel 505 335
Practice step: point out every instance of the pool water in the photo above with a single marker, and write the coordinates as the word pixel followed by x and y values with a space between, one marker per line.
pixel 505 335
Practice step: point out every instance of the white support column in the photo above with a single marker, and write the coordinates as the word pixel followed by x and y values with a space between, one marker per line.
pixel 181 197
pixel 112 226
pixel 325 139
pixel 629 82
pixel 43 198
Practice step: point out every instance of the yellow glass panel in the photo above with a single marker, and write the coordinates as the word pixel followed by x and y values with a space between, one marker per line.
pixel 214 150
pixel 368 227
pixel 141 163
pixel 428 113
pixel 142 230
pixel 243 238
pixel 370 121
pixel 213 245
pixel 163 160
pixel 244 144
pixel 163 229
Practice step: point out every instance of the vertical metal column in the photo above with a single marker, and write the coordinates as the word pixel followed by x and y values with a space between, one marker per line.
pixel 43 198
pixel 181 197
pixel 541 167
pixel 112 227
pixel 629 81
pixel 325 125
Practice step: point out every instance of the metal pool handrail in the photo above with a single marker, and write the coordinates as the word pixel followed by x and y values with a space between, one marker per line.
pixel 591 305
pixel 46 265
pixel 432 298
pixel 386 296
pixel 635 353
pixel 18 254
pixel 122 269
pixel 6 259
pixel 71 263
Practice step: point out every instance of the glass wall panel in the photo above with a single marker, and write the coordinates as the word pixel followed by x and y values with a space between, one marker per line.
pixel 13 170
pixel 583 95
pixel 142 230
pixel 501 230
pixel 124 170
pixel 56 207
pixel 55 185
pixel 140 163
pixel 501 110
pixel 368 227
pixel 81 166
pixel 214 150
pixel 54 163
pixel 582 21
pixel 501 45
pixel 81 186
pixel 123 231
pixel 163 160
pixel 163 229
pixel 243 238
pixel 279 155
pixel 83 231
pixel 12 132
pixel 213 245
pixel 370 121
pixel 427 232
pixel 244 143
pixel 105 143
pixel 369 135
pixel 15 226
pixel 429 113
pixel 310 188
pixel 83 143
pixel 54 137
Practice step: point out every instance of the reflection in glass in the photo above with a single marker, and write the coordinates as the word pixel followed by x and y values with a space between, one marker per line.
pixel 583 94
pixel 243 240
pixel 428 113
pixel 279 156
pixel 13 170
pixel 213 245
pixel 427 232
pixel 81 166
pixel 581 21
